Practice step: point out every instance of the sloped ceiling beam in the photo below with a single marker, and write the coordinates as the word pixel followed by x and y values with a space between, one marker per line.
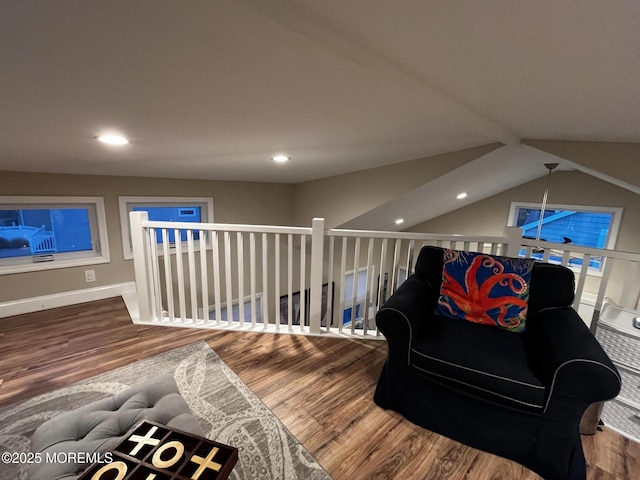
pixel 314 29
pixel 495 172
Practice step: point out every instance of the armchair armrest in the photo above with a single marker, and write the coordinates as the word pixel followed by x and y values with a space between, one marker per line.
pixel 569 359
pixel 401 317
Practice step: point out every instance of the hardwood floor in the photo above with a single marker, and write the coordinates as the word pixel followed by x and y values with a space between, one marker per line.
pixel 321 388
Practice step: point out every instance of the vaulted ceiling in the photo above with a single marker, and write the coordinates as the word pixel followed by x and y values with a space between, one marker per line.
pixel 213 89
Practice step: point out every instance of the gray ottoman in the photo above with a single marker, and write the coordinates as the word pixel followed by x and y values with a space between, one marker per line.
pixel 100 425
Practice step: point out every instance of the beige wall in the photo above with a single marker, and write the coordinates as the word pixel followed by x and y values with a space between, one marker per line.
pixel 489 216
pixel 234 202
pixel 344 197
pixel 337 199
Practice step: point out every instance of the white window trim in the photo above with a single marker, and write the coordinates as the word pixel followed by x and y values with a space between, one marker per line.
pixel 613 232
pixel 64 260
pixel 125 201
pixel 615 224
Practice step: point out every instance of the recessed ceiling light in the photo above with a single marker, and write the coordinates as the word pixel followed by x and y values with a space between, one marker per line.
pixel 462 195
pixel 281 158
pixel 113 139
pixel 399 221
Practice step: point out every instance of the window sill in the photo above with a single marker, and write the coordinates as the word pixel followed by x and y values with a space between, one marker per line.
pixel 52 265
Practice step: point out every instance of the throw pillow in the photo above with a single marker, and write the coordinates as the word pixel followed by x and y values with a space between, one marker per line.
pixel 485 289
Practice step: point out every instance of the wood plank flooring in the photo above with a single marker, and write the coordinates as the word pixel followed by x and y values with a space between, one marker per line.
pixel 321 388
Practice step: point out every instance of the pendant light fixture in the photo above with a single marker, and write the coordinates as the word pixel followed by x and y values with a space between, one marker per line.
pixel 550 167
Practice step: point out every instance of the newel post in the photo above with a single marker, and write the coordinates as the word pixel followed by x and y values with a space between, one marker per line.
pixel 138 246
pixel 514 241
pixel 317 261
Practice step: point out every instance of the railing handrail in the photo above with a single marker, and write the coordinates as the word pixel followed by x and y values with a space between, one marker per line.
pixel 334 232
pixel 228 227
pixel 604 252
pixel 338 232
pixel 39 231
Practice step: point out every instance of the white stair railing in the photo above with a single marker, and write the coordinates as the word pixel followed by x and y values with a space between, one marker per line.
pixel 368 266
pixel 601 274
pixel 315 281
pixel 216 275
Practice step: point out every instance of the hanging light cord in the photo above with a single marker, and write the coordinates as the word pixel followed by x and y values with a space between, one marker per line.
pixel 550 166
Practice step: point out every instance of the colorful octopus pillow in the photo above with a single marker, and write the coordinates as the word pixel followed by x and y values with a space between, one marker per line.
pixel 485 289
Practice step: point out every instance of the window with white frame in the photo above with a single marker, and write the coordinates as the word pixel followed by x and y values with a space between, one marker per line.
pixel 42 233
pixel 578 225
pixel 235 310
pixel 361 292
pixel 165 209
pixel 360 295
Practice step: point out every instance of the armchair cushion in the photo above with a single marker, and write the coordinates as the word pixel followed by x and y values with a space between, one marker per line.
pixel 485 289
pixel 487 363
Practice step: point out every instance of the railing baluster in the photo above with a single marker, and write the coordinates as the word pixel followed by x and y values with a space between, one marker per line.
pixel 395 273
pixel 303 287
pixel 277 285
pixel 204 275
pixel 330 284
pixel 581 279
pixel 155 268
pixel 265 281
pixel 410 257
pixel 316 276
pixel 217 294
pixel 228 278
pixel 252 274
pixel 168 280
pixel 193 286
pixel 180 274
pixel 607 268
pixel 383 271
pixel 368 291
pixel 290 280
pixel 354 292
pixel 240 265
pixel 343 271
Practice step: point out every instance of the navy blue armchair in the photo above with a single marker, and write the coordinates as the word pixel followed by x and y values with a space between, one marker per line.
pixel 517 395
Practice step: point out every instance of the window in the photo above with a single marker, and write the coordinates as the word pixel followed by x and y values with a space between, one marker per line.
pixel 583 226
pixel 361 292
pixel 235 310
pixel 164 209
pixel 402 275
pixel 42 233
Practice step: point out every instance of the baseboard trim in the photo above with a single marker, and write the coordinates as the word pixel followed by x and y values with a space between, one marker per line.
pixel 45 302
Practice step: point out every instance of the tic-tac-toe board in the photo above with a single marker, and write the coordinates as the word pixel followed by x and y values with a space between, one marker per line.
pixel 151 451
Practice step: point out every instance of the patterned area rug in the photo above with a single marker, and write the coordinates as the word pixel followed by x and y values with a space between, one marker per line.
pixel 227 411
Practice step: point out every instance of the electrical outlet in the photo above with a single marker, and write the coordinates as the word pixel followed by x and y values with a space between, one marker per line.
pixel 90 275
